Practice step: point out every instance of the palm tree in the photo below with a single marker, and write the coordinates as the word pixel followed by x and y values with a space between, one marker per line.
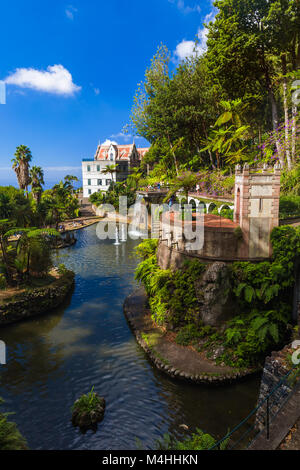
pixel 21 166
pixel 109 170
pixel 54 208
pixel 37 180
pixel 70 179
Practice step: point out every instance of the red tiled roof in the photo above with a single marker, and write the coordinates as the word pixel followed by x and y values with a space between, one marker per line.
pixel 123 152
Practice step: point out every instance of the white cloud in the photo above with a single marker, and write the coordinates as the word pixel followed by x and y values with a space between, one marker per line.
pixel 109 142
pixel 56 79
pixel 181 5
pixel 70 12
pixel 121 135
pixel 192 48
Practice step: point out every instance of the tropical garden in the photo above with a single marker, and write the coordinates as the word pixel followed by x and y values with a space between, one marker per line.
pixel 29 220
pixel 235 103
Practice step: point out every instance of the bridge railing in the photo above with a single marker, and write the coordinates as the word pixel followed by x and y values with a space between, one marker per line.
pixel 261 417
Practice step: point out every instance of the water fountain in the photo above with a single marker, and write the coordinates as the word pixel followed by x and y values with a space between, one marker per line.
pixel 117 242
pixel 123 235
pixel 139 218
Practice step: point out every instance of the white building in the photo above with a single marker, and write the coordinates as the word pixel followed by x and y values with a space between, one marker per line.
pixel 124 157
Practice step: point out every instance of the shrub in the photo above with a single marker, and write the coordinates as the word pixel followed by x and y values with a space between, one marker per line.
pixel 191 334
pixel 290 181
pixel 86 403
pixel 10 437
pixel 226 213
pixel 3 283
pixel 40 256
pixel 147 248
pixel 197 441
pixel 289 206
pixel 61 269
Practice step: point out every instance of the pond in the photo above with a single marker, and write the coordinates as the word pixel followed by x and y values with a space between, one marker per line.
pixel 86 342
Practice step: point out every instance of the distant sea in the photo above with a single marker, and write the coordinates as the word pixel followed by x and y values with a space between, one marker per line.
pixel 51 178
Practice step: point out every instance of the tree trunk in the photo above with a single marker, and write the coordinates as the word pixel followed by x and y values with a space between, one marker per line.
pixel 294 131
pixel 174 156
pixel 286 112
pixel 273 106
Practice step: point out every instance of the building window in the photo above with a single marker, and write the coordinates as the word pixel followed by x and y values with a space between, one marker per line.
pixel 90 191
pixel 88 168
pixel 108 182
pixel 111 156
pixel 98 167
pixel 89 182
pixel 99 182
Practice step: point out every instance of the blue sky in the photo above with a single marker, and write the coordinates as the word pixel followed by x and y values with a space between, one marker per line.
pixel 71 70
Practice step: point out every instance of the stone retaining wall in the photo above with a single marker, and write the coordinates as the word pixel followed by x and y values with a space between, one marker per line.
pixel 276 367
pixel 37 301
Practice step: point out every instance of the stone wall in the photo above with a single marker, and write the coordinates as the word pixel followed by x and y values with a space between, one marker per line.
pixel 276 367
pixel 222 240
pixel 37 301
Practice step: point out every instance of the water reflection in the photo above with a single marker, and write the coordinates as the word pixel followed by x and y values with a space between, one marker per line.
pixel 87 342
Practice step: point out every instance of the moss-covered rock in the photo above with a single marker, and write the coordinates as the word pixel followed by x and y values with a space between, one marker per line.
pixel 88 410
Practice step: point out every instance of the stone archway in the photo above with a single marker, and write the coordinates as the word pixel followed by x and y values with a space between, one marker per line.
pixel 183 202
pixel 193 203
pixel 224 206
pixel 210 207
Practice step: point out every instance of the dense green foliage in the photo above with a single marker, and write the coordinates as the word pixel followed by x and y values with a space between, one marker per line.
pixel 232 103
pixel 172 296
pixel 10 437
pixel 197 441
pixel 111 197
pixel 27 254
pixel 289 206
pixel 262 290
pixel 87 403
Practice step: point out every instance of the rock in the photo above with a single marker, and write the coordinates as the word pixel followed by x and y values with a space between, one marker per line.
pixel 214 294
pixel 86 420
pixel 184 426
pixel 218 352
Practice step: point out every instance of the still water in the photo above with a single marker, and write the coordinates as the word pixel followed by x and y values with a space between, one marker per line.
pixel 55 358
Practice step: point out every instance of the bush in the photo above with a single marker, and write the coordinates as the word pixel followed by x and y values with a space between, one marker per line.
pixel 86 403
pixel 40 256
pixel 289 206
pixel 290 181
pixel 3 283
pixel 88 410
pixel 191 334
pixel 61 269
pixel 198 441
pixel 147 248
pixel 226 213
pixel 10 437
